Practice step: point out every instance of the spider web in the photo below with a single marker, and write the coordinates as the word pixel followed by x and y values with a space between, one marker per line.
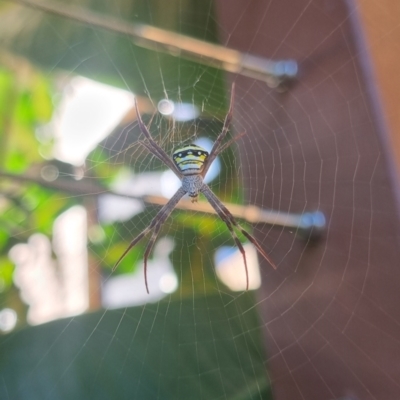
pixel 325 324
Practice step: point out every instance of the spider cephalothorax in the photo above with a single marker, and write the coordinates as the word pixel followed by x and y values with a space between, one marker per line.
pixel 190 164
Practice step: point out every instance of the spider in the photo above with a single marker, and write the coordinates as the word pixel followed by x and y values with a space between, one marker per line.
pixel 190 163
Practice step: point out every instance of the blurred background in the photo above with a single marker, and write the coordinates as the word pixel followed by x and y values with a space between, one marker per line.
pixel 315 179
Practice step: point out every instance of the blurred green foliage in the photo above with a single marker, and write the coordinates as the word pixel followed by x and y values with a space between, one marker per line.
pixel 54 42
pixel 30 205
pixel 25 208
pixel 27 96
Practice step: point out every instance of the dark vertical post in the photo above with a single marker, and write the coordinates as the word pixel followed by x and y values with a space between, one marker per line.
pixel 331 310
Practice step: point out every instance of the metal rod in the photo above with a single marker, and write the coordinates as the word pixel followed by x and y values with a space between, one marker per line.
pixel 307 225
pixel 269 71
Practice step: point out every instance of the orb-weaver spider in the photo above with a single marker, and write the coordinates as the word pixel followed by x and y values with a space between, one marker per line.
pixel 191 163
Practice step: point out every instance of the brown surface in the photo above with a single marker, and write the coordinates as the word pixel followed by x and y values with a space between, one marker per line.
pixel 380 20
pixel 331 311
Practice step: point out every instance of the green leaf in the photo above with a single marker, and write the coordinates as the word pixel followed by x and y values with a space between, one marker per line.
pixel 6 272
pixel 207 347
pixel 48 210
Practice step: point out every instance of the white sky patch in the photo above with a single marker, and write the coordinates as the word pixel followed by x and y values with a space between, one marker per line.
pixel 53 289
pixel 179 111
pixel 231 270
pixel 89 111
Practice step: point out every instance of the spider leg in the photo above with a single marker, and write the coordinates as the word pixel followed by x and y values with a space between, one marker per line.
pixel 226 215
pixel 232 219
pixel 217 144
pixel 155 153
pixel 227 144
pixel 228 223
pixel 238 243
pixel 227 123
pixel 153 147
pixel 150 246
pixel 155 224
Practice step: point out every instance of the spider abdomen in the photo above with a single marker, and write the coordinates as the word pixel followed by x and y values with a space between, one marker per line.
pixel 192 185
pixel 190 159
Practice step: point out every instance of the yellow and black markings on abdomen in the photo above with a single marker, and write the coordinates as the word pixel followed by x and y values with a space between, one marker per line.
pixel 190 159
